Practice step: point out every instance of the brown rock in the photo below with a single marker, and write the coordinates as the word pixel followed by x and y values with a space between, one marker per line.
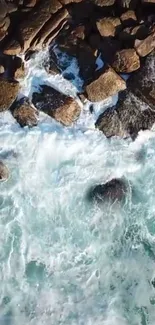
pixel 126 61
pixel 108 26
pixel 53 24
pixel 106 85
pixel 146 46
pixel 25 115
pixel 61 107
pixel 128 18
pixel 6 24
pixel 4 172
pixel 8 93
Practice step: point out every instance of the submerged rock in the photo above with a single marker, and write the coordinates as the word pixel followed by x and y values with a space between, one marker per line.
pixel 4 172
pixel 114 190
pixel 63 108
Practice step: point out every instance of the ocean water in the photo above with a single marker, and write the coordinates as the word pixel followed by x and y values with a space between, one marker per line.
pixel 64 260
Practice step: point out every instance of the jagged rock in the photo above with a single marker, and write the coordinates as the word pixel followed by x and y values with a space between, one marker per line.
pixel 114 190
pixel 110 124
pixel 146 46
pixel 25 114
pixel 106 85
pixel 126 61
pixel 8 93
pixel 108 26
pixel 128 18
pixel 59 106
pixel 4 172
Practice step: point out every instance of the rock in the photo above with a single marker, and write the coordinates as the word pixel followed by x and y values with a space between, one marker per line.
pixel 128 18
pixel 51 28
pixel 115 190
pixel 66 2
pixel 129 34
pixel 108 26
pixel 106 85
pixel 30 27
pixel 25 114
pixel 8 93
pixel 78 48
pixel 126 61
pixel 134 114
pixel 59 106
pixel 146 46
pixel 104 3
pixel 142 83
pixel 148 1
pixel 4 172
pixel 129 4
pixel 108 48
pixel 110 124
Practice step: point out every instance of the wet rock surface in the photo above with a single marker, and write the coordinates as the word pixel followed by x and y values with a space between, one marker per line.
pixel 25 114
pixel 115 190
pixel 63 108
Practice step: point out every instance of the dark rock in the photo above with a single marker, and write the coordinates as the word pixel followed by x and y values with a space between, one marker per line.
pixel 141 82
pixel 59 106
pixel 25 114
pixel 126 61
pixel 129 4
pixel 106 85
pixel 110 124
pixel 115 190
pixel 4 172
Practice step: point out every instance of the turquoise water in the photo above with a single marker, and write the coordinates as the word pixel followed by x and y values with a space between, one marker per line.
pixel 64 260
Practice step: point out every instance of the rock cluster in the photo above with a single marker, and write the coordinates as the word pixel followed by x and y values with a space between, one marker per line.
pixel 122 32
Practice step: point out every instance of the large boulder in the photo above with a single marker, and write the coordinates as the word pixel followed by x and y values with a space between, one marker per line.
pixel 63 108
pixel 126 61
pixel 4 172
pixel 8 93
pixel 107 84
pixel 115 191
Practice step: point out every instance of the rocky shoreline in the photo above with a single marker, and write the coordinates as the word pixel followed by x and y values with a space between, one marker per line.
pixel 120 32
